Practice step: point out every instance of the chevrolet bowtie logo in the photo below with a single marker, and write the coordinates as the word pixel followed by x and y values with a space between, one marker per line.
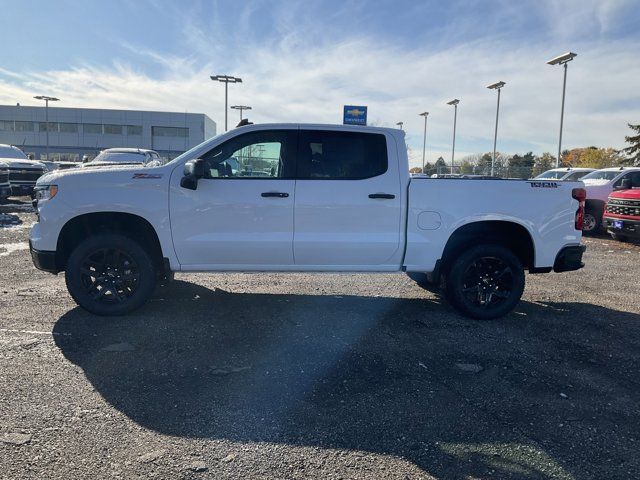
pixel 355 112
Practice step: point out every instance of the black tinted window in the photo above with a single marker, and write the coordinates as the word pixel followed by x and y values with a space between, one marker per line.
pixel 633 176
pixel 341 155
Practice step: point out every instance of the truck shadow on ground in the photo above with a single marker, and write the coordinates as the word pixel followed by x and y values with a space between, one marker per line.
pixel 548 392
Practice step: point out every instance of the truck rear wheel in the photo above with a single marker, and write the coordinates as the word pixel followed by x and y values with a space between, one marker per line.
pixel 485 282
pixel 110 274
pixel 592 222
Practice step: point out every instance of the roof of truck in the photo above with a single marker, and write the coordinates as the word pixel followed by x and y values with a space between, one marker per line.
pixel 332 126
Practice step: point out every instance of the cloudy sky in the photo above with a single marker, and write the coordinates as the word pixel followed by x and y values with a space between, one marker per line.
pixel 301 61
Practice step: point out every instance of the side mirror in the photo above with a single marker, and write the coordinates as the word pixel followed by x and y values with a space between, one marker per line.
pixel 193 170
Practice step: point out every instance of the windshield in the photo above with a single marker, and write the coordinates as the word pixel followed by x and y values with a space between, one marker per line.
pixel 576 175
pixel 602 175
pixel 552 174
pixel 12 152
pixel 120 157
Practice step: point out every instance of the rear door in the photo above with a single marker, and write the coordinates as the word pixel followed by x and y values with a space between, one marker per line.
pixel 348 201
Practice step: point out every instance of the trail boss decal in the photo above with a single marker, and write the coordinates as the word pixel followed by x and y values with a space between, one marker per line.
pixel 544 184
pixel 141 176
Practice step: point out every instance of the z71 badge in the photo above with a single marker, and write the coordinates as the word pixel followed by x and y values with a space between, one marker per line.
pixel 544 184
pixel 138 176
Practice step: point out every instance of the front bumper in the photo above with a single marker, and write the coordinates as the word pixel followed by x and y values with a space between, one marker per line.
pixel 43 260
pixel 569 258
pixel 630 228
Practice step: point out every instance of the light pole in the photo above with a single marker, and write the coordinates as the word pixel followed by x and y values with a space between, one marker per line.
pixel 455 103
pixel 562 60
pixel 46 115
pixel 424 139
pixel 241 108
pixel 495 86
pixel 226 79
pixel 400 124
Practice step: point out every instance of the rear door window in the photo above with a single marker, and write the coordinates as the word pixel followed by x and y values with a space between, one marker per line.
pixel 334 155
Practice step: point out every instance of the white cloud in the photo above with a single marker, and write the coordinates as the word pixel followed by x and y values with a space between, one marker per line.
pixel 293 80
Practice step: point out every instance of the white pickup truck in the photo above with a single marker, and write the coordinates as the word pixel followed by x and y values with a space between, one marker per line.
pixel 300 198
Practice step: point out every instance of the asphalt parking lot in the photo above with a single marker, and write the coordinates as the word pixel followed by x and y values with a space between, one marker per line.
pixel 319 376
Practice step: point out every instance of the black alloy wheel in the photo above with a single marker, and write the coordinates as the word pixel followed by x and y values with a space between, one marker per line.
pixel 485 282
pixel 110 274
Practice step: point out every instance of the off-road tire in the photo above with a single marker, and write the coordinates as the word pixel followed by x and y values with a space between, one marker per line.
pixel 128 277
pixel 504 291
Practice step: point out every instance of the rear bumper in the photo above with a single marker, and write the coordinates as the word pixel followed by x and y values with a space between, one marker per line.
pixel 569 258
pixel 630 228
pixel 43 260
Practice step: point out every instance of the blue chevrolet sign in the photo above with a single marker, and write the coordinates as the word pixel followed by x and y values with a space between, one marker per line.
pixel 354 115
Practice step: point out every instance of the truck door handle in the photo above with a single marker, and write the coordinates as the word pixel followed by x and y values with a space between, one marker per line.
pixel 275 194
pixel 387 196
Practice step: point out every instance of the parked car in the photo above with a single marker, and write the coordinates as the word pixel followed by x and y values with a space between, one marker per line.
pixel 23 172
pixel 5 186
pixel 59 165
pixel 622 215
pixel 125 156
pixel 568 173
pixel 599 185
pixel 337 198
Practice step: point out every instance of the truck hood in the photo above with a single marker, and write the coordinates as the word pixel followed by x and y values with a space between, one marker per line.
pixel 19 163
pixel 111 164
pixel 631 194
pixel 103 174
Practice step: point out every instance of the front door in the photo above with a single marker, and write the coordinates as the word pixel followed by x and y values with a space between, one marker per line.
pixel 241 214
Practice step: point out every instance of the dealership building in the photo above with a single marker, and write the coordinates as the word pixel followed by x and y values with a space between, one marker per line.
pixel 74 132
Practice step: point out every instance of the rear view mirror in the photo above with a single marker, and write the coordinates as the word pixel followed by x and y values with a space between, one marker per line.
pixel 193 170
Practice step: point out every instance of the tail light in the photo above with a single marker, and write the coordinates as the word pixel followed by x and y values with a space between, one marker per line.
pixel 579 194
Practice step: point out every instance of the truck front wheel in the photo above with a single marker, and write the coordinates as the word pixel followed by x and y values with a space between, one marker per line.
pixel 110 274
pixel 485 282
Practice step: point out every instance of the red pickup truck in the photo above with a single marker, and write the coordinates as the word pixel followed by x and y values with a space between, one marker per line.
pixel 622 214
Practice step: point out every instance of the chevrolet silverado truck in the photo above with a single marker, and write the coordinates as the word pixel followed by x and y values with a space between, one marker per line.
pixel 5 186
pixel 23 173
pixel 622 215
pixel 301 198
pixel 599 185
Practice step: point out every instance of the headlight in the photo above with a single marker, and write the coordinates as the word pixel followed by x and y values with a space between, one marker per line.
pixel 45 192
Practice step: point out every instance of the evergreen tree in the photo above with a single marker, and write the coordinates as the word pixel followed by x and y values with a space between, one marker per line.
pixel 521 166
pixel 543 163
pixel 440 165
pixel 633 150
